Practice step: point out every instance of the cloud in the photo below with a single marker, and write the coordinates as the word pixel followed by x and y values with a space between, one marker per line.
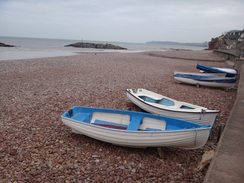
pixel 120 20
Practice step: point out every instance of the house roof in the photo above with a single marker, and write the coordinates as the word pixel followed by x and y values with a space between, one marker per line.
pixel 233 35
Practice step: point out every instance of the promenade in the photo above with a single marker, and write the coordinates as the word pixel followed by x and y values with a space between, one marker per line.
pixel 227 166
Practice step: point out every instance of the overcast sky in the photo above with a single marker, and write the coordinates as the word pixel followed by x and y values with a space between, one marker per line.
pixel 121 20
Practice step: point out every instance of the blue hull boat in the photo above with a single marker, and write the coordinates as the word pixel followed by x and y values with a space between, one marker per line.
pixel 135 129
pixel 230 72
pixel 204 79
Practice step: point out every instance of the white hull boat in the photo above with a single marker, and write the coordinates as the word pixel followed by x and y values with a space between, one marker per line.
pixel 158 104
pixel 135 129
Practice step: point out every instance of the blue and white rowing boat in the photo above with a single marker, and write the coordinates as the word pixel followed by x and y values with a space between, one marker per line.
pixel 205 79
pixel 230 72
pixel 135 129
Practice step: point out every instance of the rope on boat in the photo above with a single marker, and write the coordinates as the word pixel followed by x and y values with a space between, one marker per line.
pixel 202 114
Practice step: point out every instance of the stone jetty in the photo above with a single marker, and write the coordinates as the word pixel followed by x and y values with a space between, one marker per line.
pixel 96 45
pixel 5 45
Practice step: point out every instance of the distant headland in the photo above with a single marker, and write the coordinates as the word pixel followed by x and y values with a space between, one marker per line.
pixel 96 45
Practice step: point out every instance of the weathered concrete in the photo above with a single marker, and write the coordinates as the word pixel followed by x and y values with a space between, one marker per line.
pixel 227 54
pixel 227 165
pixel 239 62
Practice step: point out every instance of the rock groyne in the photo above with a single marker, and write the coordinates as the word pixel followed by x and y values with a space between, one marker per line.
pixel 5 45
pixel 96 45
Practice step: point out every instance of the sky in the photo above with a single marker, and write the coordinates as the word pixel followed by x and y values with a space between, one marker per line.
pixel 135 21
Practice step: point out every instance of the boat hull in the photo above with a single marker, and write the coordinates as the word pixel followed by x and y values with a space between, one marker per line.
pixel 188 139
pixel 204 83
pixel 202 73
pixel 205 79
pixel 203 116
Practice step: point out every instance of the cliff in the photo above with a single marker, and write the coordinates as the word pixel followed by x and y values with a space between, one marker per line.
pixel 230 40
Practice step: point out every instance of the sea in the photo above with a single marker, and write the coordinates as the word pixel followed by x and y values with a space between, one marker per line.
pixel 28 48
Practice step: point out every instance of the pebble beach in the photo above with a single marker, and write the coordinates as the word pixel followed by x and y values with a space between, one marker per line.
pixel 35 146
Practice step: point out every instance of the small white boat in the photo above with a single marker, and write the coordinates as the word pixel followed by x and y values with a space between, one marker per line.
pixel 229 72
pixel 161 105
pixel 135 129
pixel 205 79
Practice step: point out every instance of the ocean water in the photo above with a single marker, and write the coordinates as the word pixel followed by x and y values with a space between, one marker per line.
pixel 27 48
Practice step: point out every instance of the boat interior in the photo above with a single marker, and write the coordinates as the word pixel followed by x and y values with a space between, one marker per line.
pixel 129 122
pixel 163 101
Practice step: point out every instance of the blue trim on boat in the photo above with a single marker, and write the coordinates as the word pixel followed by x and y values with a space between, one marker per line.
pixel 208 78
pixel 209 69
pixel 135 122
pixel 164 101
pixel 186 107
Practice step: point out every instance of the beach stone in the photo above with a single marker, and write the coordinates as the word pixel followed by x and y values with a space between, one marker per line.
pixel 36 92
pixel 121 167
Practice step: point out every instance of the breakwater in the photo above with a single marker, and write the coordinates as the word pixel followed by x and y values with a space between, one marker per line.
pixel 96 45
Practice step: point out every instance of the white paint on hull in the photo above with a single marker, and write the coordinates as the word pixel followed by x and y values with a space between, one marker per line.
pixel 196 115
